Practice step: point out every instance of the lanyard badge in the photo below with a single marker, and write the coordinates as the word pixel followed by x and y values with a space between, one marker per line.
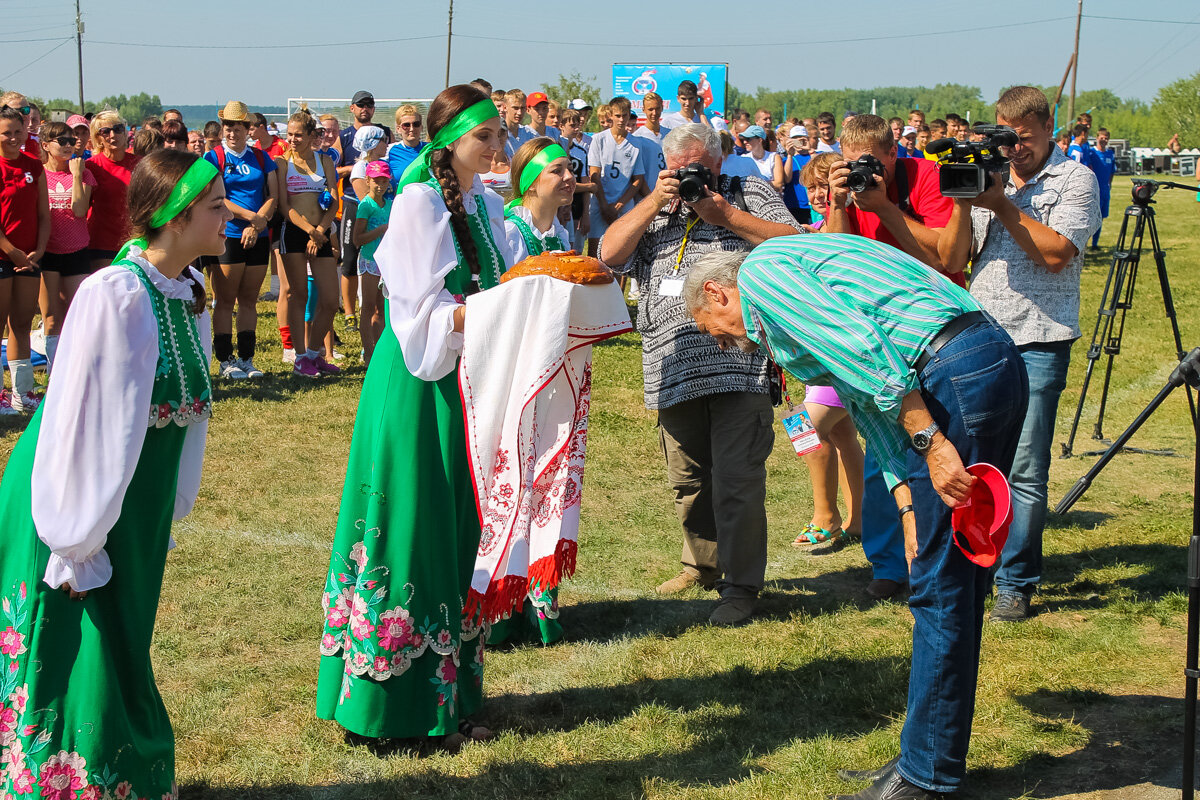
pixel 797 424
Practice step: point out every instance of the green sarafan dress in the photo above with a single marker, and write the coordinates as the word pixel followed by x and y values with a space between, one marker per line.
pixel 398 657
pixel 80 715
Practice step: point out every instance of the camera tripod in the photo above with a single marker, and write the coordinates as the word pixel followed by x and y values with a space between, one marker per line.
pixel 1118 299
pixel 1186 374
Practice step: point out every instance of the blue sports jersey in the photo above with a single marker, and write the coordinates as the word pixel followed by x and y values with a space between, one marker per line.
pixel 399 156
pixel 795 195
pixel 245 182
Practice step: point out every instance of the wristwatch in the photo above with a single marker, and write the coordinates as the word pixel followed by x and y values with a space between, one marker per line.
pixel 923 440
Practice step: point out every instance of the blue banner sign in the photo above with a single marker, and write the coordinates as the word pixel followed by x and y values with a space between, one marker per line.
pixel 634 81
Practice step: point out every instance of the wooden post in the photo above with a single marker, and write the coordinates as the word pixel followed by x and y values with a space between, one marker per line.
pixel 1075 64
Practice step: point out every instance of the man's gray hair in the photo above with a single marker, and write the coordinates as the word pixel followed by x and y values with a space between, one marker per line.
pixel 689 135
pixel 720 267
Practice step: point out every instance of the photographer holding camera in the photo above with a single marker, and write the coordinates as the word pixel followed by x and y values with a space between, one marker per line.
pixel 873 194
pixel 714 409
pixel 1025 235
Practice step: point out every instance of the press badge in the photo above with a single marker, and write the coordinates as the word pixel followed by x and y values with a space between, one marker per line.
pixel 802 433
pixel 670 287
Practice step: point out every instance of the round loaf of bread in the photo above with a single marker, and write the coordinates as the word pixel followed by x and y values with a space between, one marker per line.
pixel 566 266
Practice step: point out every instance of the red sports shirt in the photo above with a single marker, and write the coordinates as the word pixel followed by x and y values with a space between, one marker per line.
pixel 19 201
pixel 928 206
pixel 108 219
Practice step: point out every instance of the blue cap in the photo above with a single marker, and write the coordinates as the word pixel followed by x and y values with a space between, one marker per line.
pixel 754 132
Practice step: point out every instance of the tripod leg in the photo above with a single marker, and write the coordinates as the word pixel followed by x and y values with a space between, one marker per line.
pixel 1160 261
pixel 1190 667
pixel 1100 333
pixel 1128 280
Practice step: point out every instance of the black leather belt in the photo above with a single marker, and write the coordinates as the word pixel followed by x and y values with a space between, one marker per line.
pixel 953 328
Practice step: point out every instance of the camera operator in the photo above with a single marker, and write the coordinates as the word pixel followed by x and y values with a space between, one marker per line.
pixel 1025 237
pixel 714 410
pixel 901 205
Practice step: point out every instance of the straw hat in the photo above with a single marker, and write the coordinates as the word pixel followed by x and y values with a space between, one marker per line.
pixel 235 111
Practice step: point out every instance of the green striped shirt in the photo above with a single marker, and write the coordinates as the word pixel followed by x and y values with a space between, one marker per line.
pixel 848 312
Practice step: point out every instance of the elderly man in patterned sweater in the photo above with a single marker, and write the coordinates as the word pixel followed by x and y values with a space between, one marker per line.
pixel 714 411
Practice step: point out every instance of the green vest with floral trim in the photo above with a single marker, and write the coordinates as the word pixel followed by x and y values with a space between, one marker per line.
pixel 182 387
pixel 534 244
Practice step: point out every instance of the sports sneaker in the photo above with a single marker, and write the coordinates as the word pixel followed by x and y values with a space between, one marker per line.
pixel 231 370
pixel 289 355
pixel 6 409
pixel 326 368
pixel 306 367
pixel 338 356
pixel 247 366
pixel 24 404
pixel 1010 607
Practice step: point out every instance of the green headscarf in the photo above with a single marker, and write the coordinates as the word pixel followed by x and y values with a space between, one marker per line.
pixel 491 260
pixel 193 183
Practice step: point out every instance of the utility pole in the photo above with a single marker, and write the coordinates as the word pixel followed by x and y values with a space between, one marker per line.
pixel 1075 68
pixel 450 36
pixel 79 49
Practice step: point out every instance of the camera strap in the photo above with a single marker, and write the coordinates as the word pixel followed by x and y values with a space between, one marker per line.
pixel 902 188
pixel 737 195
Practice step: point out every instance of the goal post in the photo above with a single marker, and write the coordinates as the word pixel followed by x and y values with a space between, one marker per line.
pixel 385 108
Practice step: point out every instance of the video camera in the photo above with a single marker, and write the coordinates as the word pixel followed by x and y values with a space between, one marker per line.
pixel 965 165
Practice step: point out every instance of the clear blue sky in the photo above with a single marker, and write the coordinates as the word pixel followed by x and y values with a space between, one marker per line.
pixel 185 66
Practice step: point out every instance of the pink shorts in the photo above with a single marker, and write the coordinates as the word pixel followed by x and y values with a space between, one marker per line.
pixel 822 395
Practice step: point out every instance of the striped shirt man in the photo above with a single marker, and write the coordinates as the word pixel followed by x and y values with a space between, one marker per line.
pixel 851 313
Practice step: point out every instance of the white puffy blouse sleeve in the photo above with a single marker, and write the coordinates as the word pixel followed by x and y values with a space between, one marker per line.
pixel 414 257
pixel 93 425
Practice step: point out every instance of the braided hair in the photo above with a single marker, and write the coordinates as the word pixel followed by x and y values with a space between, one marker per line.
pixel 444 108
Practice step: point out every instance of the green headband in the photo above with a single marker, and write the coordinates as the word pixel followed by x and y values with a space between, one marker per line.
pixel 464 121
pixel 537 164
pixel 193 183
pixel 190 186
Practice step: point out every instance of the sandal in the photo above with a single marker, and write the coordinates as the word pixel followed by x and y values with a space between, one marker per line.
pixel 839 539
pixel 812 535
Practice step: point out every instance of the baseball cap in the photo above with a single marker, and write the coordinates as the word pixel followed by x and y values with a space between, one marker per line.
pixel 367 137
pixel 579 104
pixel 754 132
pixel 75 120
pixel 535 98
pixel 379 169
pixel 980 525
pixel 719 124
pixel 798 130
pixel 909 130
pixel 360 96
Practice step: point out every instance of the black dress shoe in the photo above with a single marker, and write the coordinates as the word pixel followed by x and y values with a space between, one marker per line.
pixel 868 774
pixel 891 786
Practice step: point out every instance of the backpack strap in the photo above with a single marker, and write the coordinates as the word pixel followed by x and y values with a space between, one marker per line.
pixel 902 188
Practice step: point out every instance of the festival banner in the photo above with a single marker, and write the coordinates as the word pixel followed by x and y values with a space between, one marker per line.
pixel 634 81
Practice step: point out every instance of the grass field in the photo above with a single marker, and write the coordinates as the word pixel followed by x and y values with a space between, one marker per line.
pixel 644 699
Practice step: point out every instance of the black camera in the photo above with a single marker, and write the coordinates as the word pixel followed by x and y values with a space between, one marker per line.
pixel 693 179
pixel 1143 190
pixel 862 172
pixel 965 165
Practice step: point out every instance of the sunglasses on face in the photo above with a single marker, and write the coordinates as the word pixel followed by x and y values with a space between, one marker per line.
pixel 410 125
pixel 66 141
pixel 115 130
pixel 367 104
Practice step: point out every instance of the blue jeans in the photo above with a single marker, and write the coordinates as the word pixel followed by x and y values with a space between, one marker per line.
pixel 883 536
pixel 1020 565
pixel 976 390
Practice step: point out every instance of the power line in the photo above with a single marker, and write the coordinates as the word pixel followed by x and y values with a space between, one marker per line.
pixel 262 46
pixel 39 58
pixel 694 45
pixel 1135 19
pixel 658 45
